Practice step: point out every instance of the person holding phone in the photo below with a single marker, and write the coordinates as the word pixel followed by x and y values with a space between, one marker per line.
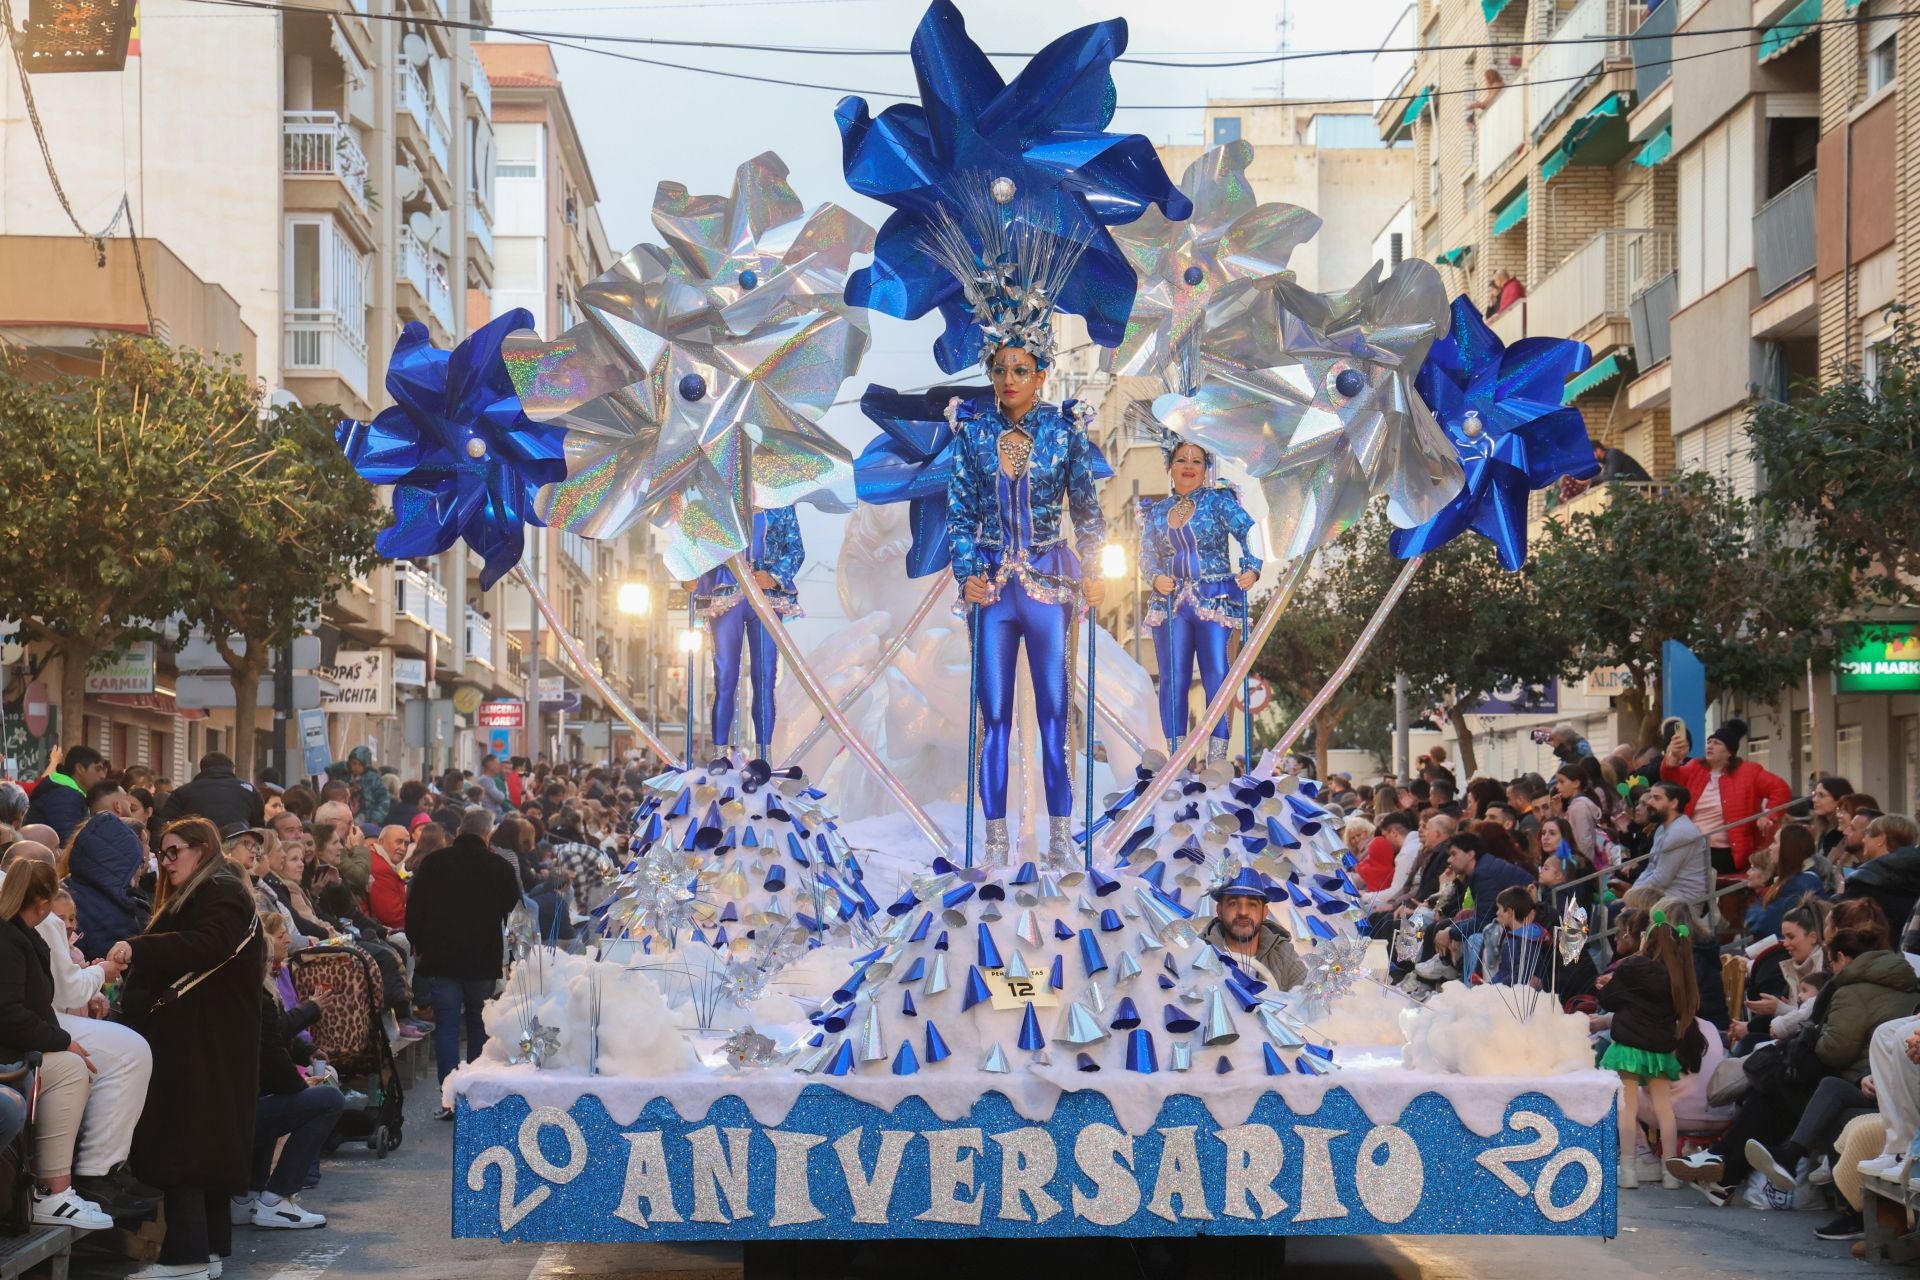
pixel 1726 791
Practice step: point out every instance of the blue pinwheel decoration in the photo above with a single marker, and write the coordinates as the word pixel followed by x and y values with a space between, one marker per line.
pixel 909 462
pixel 1044 134
pixel 1501 408
pixel 463 459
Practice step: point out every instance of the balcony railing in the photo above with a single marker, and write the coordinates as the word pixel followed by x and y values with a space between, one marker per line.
pixel 1393 65
pixel 1653 51
pixel 1783 235
pixel 321 341
pixel 1599 497
pixel 1560 72
pixel 516 658
pixel 427 276
pixel 481 87
pixel 578 550
pixel 413 100
pixel 1596 283
pixel 419 597
pixel 1510 325
pixel 480 229
pixel 479 638
pixel 1651 315
pixel 1501 131
pixel 318 143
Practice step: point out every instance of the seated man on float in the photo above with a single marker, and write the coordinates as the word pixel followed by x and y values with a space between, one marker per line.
pixel 1241 929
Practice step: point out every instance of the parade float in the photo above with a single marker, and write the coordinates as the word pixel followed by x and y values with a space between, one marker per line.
pixel 1024 1022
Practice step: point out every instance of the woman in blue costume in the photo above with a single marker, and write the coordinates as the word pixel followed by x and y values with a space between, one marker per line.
pixel 776 553
pixel 1186 539
pixel 1020 466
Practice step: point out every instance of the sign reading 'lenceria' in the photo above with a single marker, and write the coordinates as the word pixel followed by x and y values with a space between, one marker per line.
pixel 1879 657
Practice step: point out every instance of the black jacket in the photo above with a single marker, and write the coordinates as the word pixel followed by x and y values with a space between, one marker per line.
pixel 457 906
pixel 27 1018
pixel 57 805
pixel 279 1074
pixel 218 796
pixel 1892 880
pixel 1640 997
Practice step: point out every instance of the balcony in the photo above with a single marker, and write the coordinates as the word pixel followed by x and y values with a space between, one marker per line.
pixel 479 86
pixel 318 144
pixel 1592 288
pixel 479 638
pixel 1560 73
pixel 415 109
pixel 427 277
pixel 1783 236
pixel 1653 51
pixel 321 343
pixel 1597 498
pixel 1510 325
pixel 419 597
pixel 480 238
pixel 1500 134
pixel 1651 316
pixel 579 551
pixel 1393 64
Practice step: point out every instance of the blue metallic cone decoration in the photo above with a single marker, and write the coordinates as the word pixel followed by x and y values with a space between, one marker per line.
pixel 1222 1065
pixel 906 1005
pixel 1178 1021
pixel 940 943
pixel 993 891
pixel 903 904
pixel 936 1045
pixel 1030 1037
pixel 1091 957
pixel 1125 1016
pixel 905 1062
pixel 1109 921
pixel 1055 977
pixel 952 898
pixel 1027 874
pixel 1155 875
pixel 1320 929
pixel 842 1063
pixel 1103 884
pixel 1062 931
pixel 1140 1053
pixel 1085 1062
pixel 776 879
pixel 989 950
pixel 1276 1065
pixel 920 929
pixel 915 971
pixel 977 990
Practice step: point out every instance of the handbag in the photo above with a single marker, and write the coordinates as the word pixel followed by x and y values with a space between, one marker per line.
pixel 186 982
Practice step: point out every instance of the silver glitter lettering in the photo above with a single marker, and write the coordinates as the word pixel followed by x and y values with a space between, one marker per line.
pixel 1254 1158
pixel 792 1196
pixel 1390 1190
pixel 716 1175
pixel 1319 1197
pixel 1028 1160
pixel 1179 1175
pixel 950 1155
pixel 872 1196
pixel 647 1180
pixel 540 1118
pixel 1105 1157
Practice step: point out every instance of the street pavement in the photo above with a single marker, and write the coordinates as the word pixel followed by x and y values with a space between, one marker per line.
pixel 389 1217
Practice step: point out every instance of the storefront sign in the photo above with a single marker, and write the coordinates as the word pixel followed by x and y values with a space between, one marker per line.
pixel 501 715
pixel 1520 700
pixel 129 672
pixel 365 681
pixel 1879 657
pixel 410 672
pixel 313 741
pixel 1607 682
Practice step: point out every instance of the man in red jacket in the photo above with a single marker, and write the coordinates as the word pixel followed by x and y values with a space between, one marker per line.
pixel 386 891
pixel 1725 790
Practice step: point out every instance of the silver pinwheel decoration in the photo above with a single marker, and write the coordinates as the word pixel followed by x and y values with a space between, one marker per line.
pixel 1570 936
pixel 1333 967
pixel 694 388
pixel 748 1048
pixel 538 1042
pixel 1320 407
pixel 1197 275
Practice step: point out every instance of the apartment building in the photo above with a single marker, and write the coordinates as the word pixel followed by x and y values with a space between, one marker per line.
pixel 1323 158
pixel 1651 175
pixel 303 184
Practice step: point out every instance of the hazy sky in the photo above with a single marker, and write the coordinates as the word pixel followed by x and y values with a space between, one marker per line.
pixel 642 124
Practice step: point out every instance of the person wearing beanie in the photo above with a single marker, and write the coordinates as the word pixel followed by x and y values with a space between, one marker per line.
pixel 1725 790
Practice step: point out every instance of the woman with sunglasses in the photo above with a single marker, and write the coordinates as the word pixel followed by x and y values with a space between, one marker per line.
pixel 193 988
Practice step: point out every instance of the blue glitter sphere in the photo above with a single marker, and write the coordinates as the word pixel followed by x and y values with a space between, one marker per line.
pixel 693 387
pixel 1350 382
pixel 749 279
pixel 1193 276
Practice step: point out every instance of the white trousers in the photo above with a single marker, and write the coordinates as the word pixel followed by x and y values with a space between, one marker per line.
pixel 122 1064
pixel 1896 1082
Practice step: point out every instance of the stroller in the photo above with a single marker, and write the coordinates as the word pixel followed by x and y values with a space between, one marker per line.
pixel 351 1035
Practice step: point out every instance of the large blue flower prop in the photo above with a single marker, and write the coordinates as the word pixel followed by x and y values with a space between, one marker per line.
pixel 910 462
pixel 1521 436
pixel 463 459
pixel 1045 132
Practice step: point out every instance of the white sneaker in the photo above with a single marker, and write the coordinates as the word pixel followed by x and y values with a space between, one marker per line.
pixel 215 1266
pixel 1884 1166
pixel 1646 1163
pixel 1821 1174
pixel 240 1209
pixel 1435 969
pixel 169 1271
pixel 1762 1159
pixel 69 1209
pixel 286 1215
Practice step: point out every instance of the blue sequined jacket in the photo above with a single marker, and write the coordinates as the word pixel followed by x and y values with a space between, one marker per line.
pixel 1060 475
pixel 1197 555
pixel 776 549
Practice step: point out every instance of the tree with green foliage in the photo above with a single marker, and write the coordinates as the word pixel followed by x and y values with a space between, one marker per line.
pixel 1695 563
pixel 1304 647
pixel 1842 459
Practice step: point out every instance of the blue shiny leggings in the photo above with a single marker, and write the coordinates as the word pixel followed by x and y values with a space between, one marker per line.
pixel 728 630
pixel 1002 625
pixel 1176 643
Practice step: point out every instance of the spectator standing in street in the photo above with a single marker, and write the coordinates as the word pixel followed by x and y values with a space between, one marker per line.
pixel 219 795
pixel 60 797
pixel 457 910
pixel 193 989
pixel 1726 790
pixel 371 797
pixel 493 791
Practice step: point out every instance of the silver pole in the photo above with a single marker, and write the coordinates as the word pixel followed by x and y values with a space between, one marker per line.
pixel 1402 747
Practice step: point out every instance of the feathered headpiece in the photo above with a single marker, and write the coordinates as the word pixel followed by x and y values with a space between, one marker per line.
pixel 1010 267
pixel 1143 429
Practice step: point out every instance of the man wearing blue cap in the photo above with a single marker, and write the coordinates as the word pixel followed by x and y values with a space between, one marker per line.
pixel 1241 929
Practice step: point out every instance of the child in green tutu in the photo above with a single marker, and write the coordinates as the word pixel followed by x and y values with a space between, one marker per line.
pixel 1653 998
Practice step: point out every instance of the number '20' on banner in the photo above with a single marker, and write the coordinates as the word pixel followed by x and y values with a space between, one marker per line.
pixel 841 1168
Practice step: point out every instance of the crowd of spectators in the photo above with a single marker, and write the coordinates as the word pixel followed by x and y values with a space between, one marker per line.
pixel 151 940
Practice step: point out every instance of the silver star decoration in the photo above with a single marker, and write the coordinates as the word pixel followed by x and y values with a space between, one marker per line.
pixel 537 1044
pixel 1196 276
pixel 1322 412
pixel 693 390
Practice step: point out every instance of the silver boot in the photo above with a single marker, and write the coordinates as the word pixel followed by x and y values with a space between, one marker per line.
pixel 762 751
pixel 998 845
pixel 1062 852
pixel 1217 749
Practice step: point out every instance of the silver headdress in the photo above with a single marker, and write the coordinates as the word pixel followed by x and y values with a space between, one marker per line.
pixel 1011 267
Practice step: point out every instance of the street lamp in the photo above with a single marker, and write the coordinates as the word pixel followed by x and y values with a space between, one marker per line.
pixel 690 646
pixel 635 600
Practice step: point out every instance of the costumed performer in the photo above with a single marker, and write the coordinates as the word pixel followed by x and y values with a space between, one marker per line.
pixel 775 553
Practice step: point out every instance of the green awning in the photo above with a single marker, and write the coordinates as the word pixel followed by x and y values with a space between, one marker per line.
pixel 1789 31
pixel 1490 9
pixel 1511 214
pixel 1655 149
pixel 1411 114
pixel 1597 374
pixel 1452 256
pixel 1598 137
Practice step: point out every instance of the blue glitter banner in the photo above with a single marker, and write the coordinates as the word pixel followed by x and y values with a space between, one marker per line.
pixel 839 1168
